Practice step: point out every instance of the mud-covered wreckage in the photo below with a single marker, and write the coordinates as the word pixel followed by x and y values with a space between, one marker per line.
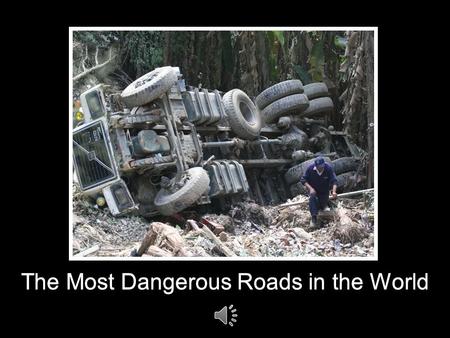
pixel 160 146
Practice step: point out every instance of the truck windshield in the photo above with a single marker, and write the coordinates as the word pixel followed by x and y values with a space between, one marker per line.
pixel 95 105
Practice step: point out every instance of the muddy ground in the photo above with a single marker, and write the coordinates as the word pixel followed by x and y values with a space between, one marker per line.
pixel 249 230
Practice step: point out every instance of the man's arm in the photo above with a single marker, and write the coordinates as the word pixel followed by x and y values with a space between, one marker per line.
pixel 333 182
pixel 333 192
pixel 312 191
pixel 305 179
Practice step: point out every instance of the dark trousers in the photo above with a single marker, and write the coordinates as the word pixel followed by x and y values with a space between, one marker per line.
pixel 317 202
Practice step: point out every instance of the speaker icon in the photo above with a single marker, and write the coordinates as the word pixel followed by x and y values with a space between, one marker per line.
pixel 223 315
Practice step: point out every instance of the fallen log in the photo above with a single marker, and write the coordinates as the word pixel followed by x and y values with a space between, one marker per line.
pixel 346 230
pixel 163 236
pixel 149 239
pixel 205 231
pixel 168 236
pixel 155 251
pixel 87 251
pixel 344 219
pixel 353 193
pixel 346 194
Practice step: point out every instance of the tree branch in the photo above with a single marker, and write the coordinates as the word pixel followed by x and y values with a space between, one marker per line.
pixel 97 66
pixel 84 60
pixel 96 56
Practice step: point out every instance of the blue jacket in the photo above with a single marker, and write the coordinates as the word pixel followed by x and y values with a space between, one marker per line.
pixel 321 183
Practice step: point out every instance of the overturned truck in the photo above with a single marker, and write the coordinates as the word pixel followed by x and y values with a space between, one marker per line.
pixel 161 146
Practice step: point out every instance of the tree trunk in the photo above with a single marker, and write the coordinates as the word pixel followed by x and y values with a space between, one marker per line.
pixel 370 105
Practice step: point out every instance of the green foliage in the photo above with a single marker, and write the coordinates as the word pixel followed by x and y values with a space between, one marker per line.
pixel 275 39
pixel 143 50
pixel 317 61
pixel 272 55
pixel 279 36
pixel 340 42
pixel 303 74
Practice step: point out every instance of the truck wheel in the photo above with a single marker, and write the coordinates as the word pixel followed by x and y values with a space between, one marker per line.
pixel 350 181
pixel 294 174
pixel 149 87
pixel 318 106
pixel 197 183
pixel 278 91
pixel 298 189
pixel 345 181
pixel 243 116
pixel 284 106
pixel 344 164
pixel 315 90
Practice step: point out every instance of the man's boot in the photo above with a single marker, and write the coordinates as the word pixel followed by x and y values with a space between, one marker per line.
pixel 314 223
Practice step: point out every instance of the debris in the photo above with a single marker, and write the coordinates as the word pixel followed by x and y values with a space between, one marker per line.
pixel 215 227
pixel 155 251
pixel 225 220
pixel 210 235
pixel 346 230
pixel 349 233
pixel 77 219
pixel 165 237
pixel 249 230
pixel 250 211
pixel 223 236
pixel 97 226
pixel 369 242
pixel 255 226
pixel 301 233
pixel 337 245
pixel 326 215
pixel 347 194
pixel 87 251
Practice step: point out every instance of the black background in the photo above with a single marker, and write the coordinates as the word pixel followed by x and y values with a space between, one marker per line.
pixel 410 237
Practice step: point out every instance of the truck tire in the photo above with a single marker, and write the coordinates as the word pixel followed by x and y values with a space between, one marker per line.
pixel 149 87
pixel 345 164
pixel 197 184
pixel 243 116
pixel 350 181
pixel 298 189
pixel 278 91
pixel 318 106
pixel 344 181
pixel 315 90
pixel 294 174
pixel 284 106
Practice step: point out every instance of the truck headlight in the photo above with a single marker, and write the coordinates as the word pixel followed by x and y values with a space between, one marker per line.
pixel 100 201
pixel 79 116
